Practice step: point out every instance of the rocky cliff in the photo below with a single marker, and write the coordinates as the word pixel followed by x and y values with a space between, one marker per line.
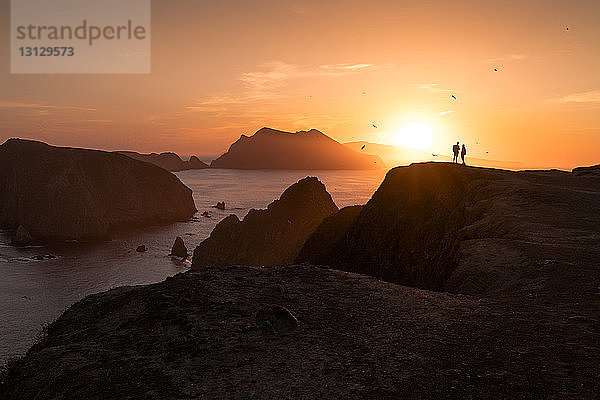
pixel 273 149
pixel 472 230
pixel 59 193
pixel 268 237
pixel 169 161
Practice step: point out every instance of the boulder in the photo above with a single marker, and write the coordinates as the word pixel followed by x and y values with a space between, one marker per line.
pixel 268 237
pixel 179 249
pixel 62 193
pixel 22 236
pixel 141 249
pixel 276 319
pixel 220 205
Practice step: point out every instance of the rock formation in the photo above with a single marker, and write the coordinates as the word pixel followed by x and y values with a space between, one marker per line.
pixel 179 249
pixel 22 237
pixel 59 193
pixel 169 161
pixel 469 230
pixel 273 149
pixel 268 237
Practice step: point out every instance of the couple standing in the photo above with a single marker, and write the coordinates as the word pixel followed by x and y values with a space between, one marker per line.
pixel 463 152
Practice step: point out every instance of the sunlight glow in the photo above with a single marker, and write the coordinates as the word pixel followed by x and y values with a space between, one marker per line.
pixel 415 135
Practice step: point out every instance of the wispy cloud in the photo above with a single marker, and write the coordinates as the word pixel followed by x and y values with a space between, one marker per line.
pixel 592 96
pixel 297 9
pixel 435 87
pixel 506 58
pixel 446 112
pixel 274 75
pixel 11 104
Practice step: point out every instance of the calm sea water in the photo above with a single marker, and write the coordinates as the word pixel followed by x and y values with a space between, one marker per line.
pixel 35 292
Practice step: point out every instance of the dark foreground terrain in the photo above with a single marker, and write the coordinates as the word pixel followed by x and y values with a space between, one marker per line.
pixel 511 261
pixel 196 336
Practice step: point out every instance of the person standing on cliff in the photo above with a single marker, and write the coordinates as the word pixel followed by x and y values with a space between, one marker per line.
pixel 463 153
pixel 455 149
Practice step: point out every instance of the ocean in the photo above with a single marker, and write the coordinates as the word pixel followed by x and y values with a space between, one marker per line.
pixel 38 283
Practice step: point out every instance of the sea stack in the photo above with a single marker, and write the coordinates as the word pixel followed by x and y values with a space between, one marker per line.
pixel 61 193
pixel 268 237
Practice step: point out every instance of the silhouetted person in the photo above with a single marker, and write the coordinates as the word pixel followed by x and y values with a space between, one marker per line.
pixel 463 153
pixel 455 149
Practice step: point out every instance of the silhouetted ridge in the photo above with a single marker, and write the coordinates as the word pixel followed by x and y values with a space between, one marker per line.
pixel 67 193
pixel 273 149
pixel 169 161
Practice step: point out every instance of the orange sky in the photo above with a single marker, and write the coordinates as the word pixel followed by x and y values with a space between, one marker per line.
pixel 220 69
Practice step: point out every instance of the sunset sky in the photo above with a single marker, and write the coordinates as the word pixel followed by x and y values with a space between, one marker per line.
pixel 225 68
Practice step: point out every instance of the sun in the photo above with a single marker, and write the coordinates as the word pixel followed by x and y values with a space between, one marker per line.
pixel 415 135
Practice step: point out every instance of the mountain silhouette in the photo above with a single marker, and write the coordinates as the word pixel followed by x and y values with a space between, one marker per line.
pixel 169 161
pixel 272 149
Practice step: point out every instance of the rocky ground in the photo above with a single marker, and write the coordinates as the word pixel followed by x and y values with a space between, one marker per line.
pixel 196 336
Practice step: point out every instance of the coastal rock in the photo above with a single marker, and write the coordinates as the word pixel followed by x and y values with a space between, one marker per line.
pixel 470 230
pixel 22 236
pixel 220 205
pixel 195 163
pixel 273 149
pixel 179 249
pixel 169 161
pixel 62 193
pixel 268 237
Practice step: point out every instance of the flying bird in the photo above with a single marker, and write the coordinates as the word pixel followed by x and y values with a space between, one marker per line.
pixel 363 147
pixel 454 97
pixel 374 126
pixel 435 155
pixel 26 298
pixel 566 28
pixel 495 69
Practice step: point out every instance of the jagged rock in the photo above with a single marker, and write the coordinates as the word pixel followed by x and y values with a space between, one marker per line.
pixel 141 249
pixel 220 205
pixel 22 236
pixel 62 193
pixel 206 214
pixel 179 249
pixel 276 319
pixel 273 149
pixel 268 237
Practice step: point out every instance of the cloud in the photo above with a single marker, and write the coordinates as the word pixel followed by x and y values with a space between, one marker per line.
pixel 446 112
pixel 506 58
pixel 435 87
pixel 296 9
pixel 277 73
pixel 592 96
pixel 10 104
